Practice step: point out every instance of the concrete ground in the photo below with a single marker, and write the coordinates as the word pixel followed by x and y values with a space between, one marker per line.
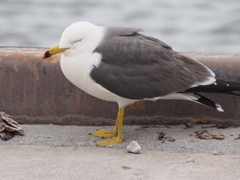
pixel 69 153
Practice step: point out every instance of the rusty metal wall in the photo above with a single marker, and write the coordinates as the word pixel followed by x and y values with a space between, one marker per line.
pixel 34 91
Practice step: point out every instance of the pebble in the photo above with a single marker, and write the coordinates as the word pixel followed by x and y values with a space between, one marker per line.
pixel 134 147
pixel 215 153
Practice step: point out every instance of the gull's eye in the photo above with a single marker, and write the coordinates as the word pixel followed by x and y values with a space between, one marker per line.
pixel 76 41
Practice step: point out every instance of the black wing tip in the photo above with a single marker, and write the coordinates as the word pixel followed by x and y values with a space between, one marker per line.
pixel 207 102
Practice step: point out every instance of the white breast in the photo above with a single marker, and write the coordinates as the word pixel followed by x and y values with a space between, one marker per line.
pixel 77 70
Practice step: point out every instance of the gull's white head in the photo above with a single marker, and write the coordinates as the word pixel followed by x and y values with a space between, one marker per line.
pixel 80 37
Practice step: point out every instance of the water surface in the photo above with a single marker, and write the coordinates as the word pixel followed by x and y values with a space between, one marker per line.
pixel 197 26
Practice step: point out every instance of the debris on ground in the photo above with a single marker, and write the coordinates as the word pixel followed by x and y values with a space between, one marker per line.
pixel 126 167
pixel 221 126
pixel 204 134
pixel 134 147
pixel 195 120
pixel 145 127
pixel 161 137
pixel 8 127
pixel 200 120
pixel 141 128
pixel 209 126
pixel 237 137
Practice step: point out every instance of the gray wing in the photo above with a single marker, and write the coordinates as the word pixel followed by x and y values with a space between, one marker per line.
pixel 136 66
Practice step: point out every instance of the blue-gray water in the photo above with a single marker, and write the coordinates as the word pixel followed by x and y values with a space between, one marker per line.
pixel 186 25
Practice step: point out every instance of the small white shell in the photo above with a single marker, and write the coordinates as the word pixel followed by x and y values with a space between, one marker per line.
pixel 134 147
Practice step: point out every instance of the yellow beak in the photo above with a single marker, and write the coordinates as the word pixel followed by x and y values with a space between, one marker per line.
pixel 52 51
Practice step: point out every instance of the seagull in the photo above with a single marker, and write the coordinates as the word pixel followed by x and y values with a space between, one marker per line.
pixel 123 65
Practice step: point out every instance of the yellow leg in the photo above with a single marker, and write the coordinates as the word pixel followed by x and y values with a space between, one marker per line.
pixel 117 130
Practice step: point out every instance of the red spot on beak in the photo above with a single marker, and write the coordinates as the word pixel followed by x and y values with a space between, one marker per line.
pixel 46 55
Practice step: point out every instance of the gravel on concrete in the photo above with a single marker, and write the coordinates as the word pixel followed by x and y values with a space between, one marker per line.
pixel 185 140
pixel 68 152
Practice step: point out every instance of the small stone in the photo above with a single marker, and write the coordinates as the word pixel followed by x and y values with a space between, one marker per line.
pixel 237 137
pixel 134 147
pixel 215 153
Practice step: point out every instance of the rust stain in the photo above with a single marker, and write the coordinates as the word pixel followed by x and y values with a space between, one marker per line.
pixel 19 57
pixel 140 105
pixel 32 67
pixel 132 106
